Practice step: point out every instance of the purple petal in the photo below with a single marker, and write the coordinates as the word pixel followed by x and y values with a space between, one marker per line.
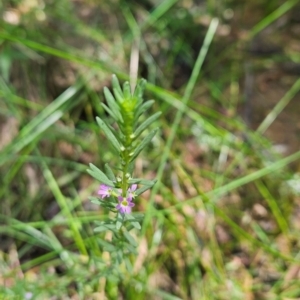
pixel 104 191
pixel 126 210
pixel 133 187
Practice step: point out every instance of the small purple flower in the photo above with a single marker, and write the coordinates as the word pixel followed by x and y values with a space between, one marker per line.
pixel 131 193
pixel 104 191
pixel 124 205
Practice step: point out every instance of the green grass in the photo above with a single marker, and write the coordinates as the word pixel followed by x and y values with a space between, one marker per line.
pixel 221 222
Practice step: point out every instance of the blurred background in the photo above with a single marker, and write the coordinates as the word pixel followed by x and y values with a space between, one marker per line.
pixel 227 209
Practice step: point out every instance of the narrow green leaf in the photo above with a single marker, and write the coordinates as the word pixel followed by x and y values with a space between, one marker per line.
pixel 139 90
pixel 110 112
pixel 99 175
pixel 100 229
pixel 120 219
pixel 128 264
pixel 104 227
pixel 112 103
pixel 133 221
pixel 109 134
pixel 117 89
pixel 131 167
pixel 119 255
pixel 107 246
pixel 130 248
pixel 110 174
pixel 107 222
pixel 129 238
pixel 146 124
pixel 143 144
pixel 143 108
pixel 95 200
pixel 116 84
pixel 103 203
pixel 119 96
pixel 142 190
pixel 139 97
pixel 126 90
pixel 142 181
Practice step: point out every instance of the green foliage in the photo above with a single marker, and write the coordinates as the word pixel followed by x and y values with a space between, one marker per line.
pixel 99 175
pixel 222 219
pixel 125 108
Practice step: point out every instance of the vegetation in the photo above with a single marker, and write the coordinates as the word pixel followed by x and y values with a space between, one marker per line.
pixel 222 220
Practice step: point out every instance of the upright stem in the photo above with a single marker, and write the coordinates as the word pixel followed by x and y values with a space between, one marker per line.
pixel 126 157
pixel 128 112
pixel 124 180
